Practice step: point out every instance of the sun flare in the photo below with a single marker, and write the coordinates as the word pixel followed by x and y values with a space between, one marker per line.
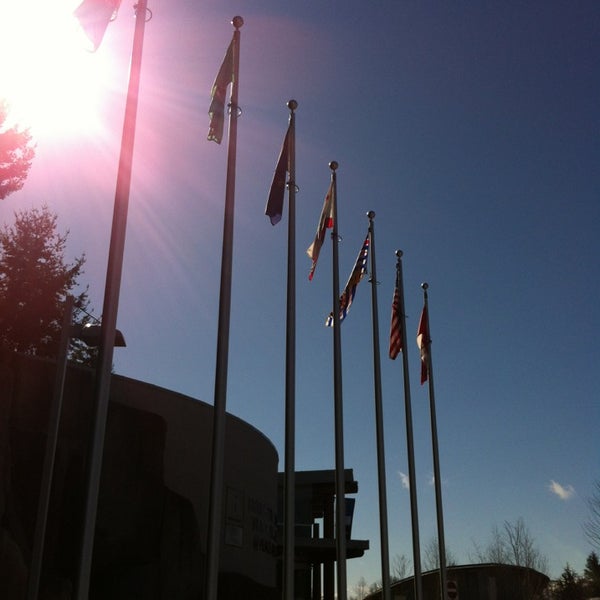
pixel 51 82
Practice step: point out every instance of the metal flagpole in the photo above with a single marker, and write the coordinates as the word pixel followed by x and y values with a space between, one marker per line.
pixel 290 371
pixel 383 516
pixel 110 307
pixel 218 441
pixel 340 481
pixel 436 453
pixel 409 436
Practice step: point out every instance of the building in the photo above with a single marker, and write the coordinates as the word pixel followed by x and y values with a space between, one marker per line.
pixel 475 582
pixel 151 528
pixel 315 542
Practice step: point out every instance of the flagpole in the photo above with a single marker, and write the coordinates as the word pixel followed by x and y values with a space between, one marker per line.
pixel 409 437
pixel 340 481
pixel 110 308
pixel 383 516
pixel 219 410
pixel 290 372
pixel 436 454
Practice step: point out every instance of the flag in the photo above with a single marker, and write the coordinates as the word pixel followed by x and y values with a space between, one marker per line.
pixel 94 17
pixel 217 95
pixel 360 268
pixel 274 208
pixel 395 326
pixel 325 222
pixel 423 342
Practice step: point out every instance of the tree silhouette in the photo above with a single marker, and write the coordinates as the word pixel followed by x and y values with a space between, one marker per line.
pixel 34 282
pixel 569 586
pixel 591 527
pixel 592 575
pixel 16 153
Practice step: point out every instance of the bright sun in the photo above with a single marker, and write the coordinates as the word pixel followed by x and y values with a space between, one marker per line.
pixel 50 81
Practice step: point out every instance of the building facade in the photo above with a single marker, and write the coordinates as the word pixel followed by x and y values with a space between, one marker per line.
pixel 151 528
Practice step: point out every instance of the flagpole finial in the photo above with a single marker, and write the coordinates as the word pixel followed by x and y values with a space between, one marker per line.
pixel 399 253
pixel 333 165
pixel 292 105
pixel 371 215
pixel 425 286
pixel 237 22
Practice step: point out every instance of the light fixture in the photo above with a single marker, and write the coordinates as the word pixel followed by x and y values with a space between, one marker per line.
pixel 90 334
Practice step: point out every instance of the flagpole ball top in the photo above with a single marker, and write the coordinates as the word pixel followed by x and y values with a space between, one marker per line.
pixel 399 253
pixel 237 22
pixel 371 214
pixel 333 165
pixel 425 285
pixel 292 104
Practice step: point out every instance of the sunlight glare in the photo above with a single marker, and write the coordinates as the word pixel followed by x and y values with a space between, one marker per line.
pixel 51 82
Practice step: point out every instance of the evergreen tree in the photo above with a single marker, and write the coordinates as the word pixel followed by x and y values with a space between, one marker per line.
pixel 569 586
pixel 16 154
pixel 592 575
pixel 34 282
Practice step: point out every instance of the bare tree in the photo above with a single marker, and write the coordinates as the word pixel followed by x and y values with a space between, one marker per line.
pixel 591 527
pixel 401 567
pixel 431 555
pixel 512 544
pixel 361 588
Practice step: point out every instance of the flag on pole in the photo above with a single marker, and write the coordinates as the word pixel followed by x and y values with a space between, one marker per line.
pixel 94 17
pixel 274 208
pixel 216 110
pixel 358 272
pixel 395 326
pixel 325 222
pixel 423 344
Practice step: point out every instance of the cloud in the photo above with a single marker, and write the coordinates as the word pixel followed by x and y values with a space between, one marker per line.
pixel 563 492
pixel 404 480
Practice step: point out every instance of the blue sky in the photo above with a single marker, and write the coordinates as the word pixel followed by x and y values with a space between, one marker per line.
pixel 471 129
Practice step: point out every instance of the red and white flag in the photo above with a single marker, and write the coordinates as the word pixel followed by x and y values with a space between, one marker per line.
pixel 325 222
pixel 423 342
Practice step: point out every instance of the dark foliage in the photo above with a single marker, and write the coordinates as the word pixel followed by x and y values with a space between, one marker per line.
pixel 34 282
pixel 16 153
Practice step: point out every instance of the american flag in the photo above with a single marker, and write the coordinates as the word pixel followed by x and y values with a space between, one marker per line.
pixel 395 326
pixel 358 272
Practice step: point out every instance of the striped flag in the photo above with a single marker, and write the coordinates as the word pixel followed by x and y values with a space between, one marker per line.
pixel 216 110
pixel 423 342
pixel 395 326
pixel 274 208
pixel 325 222
pixel 358 272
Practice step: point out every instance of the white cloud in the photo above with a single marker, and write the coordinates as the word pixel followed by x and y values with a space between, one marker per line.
pixel 404 480
pixel 563 492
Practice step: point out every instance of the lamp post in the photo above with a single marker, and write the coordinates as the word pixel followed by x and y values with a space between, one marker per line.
pixel 89 334
pixel 39 536
pixel 111 289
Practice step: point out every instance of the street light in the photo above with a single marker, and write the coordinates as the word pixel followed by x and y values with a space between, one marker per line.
pixel 90 335
pixel 90 12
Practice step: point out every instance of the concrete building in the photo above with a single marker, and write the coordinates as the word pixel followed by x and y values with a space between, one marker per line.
pixel 152 512
pixel 475 582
